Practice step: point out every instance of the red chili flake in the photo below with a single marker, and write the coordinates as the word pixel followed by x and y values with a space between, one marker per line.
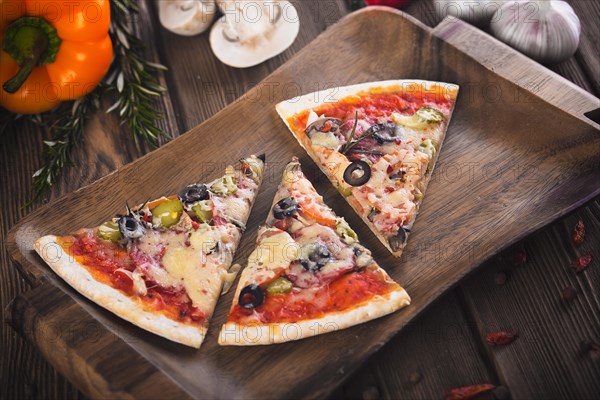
pixel 501 338
pixel 582 263
pixel 468 392
pixel 146 217
pixel 195 225
pixel 568 294
pixel 389 169
pixel 520 257
pixel 326 126
pixel 578 233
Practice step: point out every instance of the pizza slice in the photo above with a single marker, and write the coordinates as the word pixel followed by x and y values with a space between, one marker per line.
pixel 162 265
pixel 308 274
pixel 377 143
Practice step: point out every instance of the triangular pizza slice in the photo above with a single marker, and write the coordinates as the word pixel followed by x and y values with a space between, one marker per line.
pixel 162 265
pixel 308 274
pixel 377 143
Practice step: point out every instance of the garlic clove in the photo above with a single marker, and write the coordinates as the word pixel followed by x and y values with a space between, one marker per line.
pixel 243 40
pixel 476 12
pixel 186 17
pixel 546 30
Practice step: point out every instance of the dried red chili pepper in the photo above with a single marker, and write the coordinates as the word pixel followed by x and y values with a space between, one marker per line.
pixel 568 294
pixel 578 233
pixel 501 338
pixel 582 262
pixel 468 392
pixel 520 257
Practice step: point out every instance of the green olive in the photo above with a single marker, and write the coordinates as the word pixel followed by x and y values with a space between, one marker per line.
pixel 167 213
pixel 203 210
pixel 109 231
pixel 279 286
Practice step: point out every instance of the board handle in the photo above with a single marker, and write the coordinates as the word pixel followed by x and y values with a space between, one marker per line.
pixel 519 69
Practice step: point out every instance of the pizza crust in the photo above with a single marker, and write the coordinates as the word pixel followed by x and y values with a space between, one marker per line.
pixel 289 108
pixel 78 277
pixel 233 334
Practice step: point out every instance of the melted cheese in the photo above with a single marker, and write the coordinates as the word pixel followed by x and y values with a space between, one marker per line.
pixel 198 266
pixel 275 250
pixel 201 266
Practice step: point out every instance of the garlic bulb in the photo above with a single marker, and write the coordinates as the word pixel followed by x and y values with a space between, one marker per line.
pixel 478 12
pixel 186 17
pixel 545 30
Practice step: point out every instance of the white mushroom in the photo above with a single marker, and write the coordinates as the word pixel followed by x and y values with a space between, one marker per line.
pixel 252 31
pixel 186 17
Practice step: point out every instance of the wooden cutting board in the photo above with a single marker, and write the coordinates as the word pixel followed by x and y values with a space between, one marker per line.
pixel 519 153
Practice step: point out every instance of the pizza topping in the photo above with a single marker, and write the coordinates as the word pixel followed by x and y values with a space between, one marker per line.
pixel 167 213
pixel 251 296
pixel 279 286
pixel 139 285
pixel 284 208
pixel 399 239
pixel 357 173
pixel 109 231
pixel 234 209
pixel 131 227
pixel 193 193
pixel 384 132
pixel 203 211
pixel 225 186
pixel 363 257
pixel 313 257
pixel 253 166
pixel 421 119
pixel 346 233
pixel 427 147
pixel 323 125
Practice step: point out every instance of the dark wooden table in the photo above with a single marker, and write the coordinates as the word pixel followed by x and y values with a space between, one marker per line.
pixel 445 347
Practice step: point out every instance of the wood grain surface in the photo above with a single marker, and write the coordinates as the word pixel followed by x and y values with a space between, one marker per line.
pixel 38 380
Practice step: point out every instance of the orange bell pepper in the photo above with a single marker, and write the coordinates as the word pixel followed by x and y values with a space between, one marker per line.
pixel 52 51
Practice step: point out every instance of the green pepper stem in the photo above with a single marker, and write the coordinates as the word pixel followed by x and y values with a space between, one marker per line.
pixel 13 84
pixel 30 41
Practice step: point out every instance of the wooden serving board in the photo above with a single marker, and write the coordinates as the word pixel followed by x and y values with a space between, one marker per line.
pixel 519 153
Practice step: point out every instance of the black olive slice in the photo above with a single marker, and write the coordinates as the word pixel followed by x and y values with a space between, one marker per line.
pixel 317 258
pixel 397 241
pixel 323 125
pixel 193 193
pixel 130 227
pixel 385 132
pixel 357 173
pixel 372 214
pixel 284 208
pixel 251 296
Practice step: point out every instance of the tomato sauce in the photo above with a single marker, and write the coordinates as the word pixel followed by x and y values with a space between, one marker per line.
pixel 346 293
pixel 103 258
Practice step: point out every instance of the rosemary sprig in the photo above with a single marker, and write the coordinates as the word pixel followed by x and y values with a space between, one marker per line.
pixel 132 79
pixel 351 142
pixel 67 133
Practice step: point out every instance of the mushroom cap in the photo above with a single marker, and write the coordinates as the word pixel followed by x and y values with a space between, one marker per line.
pixel 249 52
pixel 186 18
